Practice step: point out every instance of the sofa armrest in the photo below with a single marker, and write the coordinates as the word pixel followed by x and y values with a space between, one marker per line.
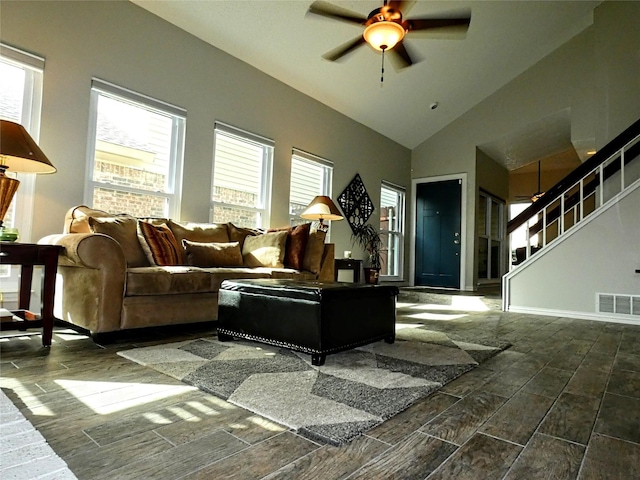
pixel 327 265
pixel 90 250
pixel 91 280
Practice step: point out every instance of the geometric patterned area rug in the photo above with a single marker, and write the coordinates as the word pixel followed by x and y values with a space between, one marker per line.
pixel 352 392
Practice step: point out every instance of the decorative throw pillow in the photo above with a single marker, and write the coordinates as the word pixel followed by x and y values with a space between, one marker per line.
pixel 313 253
pixel 212 254
pixel 159 244
pixel 266 250
pixel 296 246
pixel 297 238
pixel 123 229
pixel 238 234
pixel 199 232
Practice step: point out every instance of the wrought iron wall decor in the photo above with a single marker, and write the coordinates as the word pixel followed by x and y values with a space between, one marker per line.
pixel 356 204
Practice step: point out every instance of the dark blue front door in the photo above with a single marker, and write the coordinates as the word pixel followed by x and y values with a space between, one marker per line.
pixel 438 211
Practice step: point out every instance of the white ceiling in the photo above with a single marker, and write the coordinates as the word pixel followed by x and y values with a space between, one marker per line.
pixel 504 39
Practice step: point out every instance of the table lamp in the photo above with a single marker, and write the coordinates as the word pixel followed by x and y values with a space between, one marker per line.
pixel 18 153
pixel 322 208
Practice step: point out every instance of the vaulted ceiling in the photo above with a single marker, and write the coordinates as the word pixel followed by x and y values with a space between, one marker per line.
pixel 504 39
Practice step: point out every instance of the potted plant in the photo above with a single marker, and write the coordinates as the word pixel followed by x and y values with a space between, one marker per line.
pixel 368 237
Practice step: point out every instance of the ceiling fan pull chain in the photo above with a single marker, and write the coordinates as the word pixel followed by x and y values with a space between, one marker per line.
pixel 382 73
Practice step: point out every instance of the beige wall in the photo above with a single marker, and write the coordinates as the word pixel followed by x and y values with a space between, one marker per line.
pixel 492 178
pixel 617 51
pixel 123 44
pixel 594 75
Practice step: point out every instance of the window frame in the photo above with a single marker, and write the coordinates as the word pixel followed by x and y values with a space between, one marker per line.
pixel 489 237
pixel 263 211
pixel 301 156
pixel 173 195
pixel 399 232
pixel 30 116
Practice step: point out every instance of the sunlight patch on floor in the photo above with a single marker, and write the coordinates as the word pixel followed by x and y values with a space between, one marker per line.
pixel 459 304
pixel 435 316
pixel 266 424
pixel 218 402
pixel 70 337
pixel 401 326
pixel 27 397
pixel 184 414
pixel 404 305
pixel 111 397
pixel 200 407
pixel 157 418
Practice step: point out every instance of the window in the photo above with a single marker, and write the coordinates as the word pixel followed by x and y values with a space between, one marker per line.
pixel 519 236
pixel 392 229
pixel 136 152
pixel 21 102
pixel 490 229
pixel 310 176
pixel 241 177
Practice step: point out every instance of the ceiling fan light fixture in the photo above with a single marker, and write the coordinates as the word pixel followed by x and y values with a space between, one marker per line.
pixel 384 35
pixel 536 196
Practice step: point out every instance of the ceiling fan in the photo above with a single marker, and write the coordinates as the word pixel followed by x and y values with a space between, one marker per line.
pixel 385 28
pixel 539 193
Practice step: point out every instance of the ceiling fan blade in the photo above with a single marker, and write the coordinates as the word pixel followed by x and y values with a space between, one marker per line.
pixel 343 49
pixel 326 9
pixel 439 27
pixel 403 6
pixel 400 57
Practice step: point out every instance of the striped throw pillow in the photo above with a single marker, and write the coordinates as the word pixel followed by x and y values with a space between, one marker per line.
pixel 159 244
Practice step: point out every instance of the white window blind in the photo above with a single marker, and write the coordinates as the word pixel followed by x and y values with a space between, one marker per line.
pixel 392 199
pixel 241 177
pixel 310 176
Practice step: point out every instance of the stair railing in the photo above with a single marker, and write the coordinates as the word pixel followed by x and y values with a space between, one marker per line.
pixel 581 192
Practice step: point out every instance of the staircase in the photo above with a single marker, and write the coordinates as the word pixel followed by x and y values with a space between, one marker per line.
pixel 600 201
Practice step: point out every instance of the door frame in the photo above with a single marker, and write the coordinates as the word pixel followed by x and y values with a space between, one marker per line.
pixel 463 223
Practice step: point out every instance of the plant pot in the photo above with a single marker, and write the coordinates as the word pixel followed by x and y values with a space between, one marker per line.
pixel 371 275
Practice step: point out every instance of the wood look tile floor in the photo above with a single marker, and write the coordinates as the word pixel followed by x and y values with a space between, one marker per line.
pixel 563 402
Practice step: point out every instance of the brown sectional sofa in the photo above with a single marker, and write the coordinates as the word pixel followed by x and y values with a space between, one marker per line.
pixel 107 283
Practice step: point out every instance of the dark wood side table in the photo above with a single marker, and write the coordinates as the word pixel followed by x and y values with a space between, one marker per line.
pixel 28 255
pixel 348 264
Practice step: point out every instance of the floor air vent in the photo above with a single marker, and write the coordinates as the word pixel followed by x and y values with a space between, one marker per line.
pixel 618 304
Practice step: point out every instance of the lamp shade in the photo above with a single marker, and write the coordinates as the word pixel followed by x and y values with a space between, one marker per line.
pixel 322 208
pixel 383 35
pixel 18 151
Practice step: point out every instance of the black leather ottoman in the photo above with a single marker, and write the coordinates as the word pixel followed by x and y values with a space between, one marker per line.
pixel 311 317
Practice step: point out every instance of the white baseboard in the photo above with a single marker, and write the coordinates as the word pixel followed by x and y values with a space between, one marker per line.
pixel 600 317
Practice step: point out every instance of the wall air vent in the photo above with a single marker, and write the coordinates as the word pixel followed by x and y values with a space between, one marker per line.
pixel 618 304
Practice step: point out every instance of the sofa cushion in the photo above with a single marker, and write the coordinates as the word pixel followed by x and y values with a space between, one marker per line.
pixel 314 251
pixel 159 244
pixel 297 238
pixel 238 234
pixel 199 232
pixel 220 274
pixel 176 279
pixel 212 254
pixel 266 250
pixel 77 218
pixel 123 229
